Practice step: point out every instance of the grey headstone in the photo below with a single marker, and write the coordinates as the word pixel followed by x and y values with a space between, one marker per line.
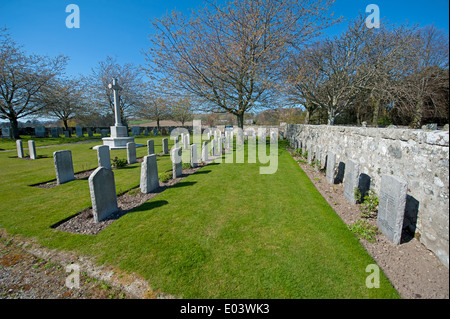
pixel 39 131
pixel 6 132
pixel 19 148
pixel 79 131
pixel 66 134
pixel 149 174
pixel 55 132
pixel 63 166
pixel 391 207
pixel 104 132
pixel 213 147
pixel 218 149
pixel 103 156
pixel 135 130
pixel 177 168
pixel 186 139
pixel 32 149
pixel 310 154
pixel 155 131
pixel 131 152
pixel 351 180
pixel 165 145
pixel 205 151
pixel 194 156
pixel 102 187
pixel 331 165
pixel 150 147
pixel 90 133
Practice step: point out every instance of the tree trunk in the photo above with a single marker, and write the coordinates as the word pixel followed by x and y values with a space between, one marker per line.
pixel 307 116
pixel 157 123
pixel 240 120
pixel 14 128
pixel 66 125
pixel 331 117
pixel 376 109
pixel 417 120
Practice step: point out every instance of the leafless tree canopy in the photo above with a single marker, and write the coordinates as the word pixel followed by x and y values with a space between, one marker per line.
pixel 229 56
pixel 22 80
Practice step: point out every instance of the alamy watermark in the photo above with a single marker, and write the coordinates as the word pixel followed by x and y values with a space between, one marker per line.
pixel 73 19
pixel 233 143
pixel 373 280
pixel 73 280
pixel 373 19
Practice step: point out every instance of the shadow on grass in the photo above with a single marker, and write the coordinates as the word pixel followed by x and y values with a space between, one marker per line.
pixel 148 206
pixel 183 184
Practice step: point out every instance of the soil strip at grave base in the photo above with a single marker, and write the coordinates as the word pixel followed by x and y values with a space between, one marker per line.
pixel 83 222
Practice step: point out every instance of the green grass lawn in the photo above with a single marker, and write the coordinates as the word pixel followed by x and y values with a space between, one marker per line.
pixel 223 232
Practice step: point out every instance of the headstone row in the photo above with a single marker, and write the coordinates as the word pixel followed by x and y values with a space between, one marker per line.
pixel 392 195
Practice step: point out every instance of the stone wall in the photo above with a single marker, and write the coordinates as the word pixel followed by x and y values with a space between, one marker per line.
pixel 419 157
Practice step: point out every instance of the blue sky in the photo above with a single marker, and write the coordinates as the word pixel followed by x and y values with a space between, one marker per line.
pixel 120 28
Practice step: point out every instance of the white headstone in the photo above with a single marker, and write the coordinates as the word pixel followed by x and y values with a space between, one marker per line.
pixel 331 164
pixel 149 174
pixel 194 156
pixel 177 168
pixel 131 152
pixel 103 156
pixel 19 148
pixel 32 149
pixel 63 166
pixel 351 180
pixel 102 187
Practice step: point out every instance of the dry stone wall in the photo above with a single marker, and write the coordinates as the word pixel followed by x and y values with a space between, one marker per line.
pixel 419 157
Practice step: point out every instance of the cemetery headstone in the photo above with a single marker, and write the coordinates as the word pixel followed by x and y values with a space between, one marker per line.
pixel 19 149
pixel 177 168
pixel 39 131
pixel 391 207
pixel 205 151
pixel 90 133
pixel 63 166
pixel 66 133
pixel 104 132
pixel 79 131
pixel 165 144
pixel 6 132
pixel 149 174
pixel 102 187
pixel 331 164
pixel 54 132
pixel 150 147
pixel 135 130
pixel 194 156
pixel 103 156
pixel 155 131
pixel 32 149
pixel 351 180
pixel 131 152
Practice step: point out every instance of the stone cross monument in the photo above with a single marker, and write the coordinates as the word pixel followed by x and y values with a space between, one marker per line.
pixel 119 133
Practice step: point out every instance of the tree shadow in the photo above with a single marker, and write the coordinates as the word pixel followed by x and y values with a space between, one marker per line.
pixel 202 172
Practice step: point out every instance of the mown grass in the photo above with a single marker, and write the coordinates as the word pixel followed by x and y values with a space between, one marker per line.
pixel 224 232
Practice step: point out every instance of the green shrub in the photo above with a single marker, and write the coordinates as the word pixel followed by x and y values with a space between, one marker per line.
pixel 118 162
pixel 363 230
pixel 369 204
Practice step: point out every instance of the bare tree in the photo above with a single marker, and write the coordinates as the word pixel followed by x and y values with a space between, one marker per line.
pixel 129 77
pixel 181 109
pixel 429 77
pixel 229 56
pixel 22 80
pixel 63 99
